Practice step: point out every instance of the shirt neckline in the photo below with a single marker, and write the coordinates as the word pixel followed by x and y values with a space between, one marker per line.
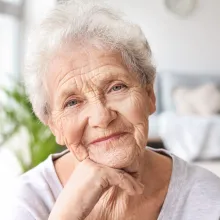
pixel 50 174
pixel 174 188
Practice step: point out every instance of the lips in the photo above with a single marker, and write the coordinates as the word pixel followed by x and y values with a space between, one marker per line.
pixel 108 138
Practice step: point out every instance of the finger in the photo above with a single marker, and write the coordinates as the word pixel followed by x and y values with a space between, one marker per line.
pixel 123 180
pixel 125 183
pixel 138 187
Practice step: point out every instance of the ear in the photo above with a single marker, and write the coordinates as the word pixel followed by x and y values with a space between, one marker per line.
pixel 152 98
pixel 56 130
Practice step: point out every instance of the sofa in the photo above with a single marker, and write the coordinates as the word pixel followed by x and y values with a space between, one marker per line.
pixel 195 135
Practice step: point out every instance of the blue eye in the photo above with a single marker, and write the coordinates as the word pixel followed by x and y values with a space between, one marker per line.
pixel 118 87
pixel 71 103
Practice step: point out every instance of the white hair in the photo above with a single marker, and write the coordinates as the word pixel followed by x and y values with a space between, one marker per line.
pixel 82 21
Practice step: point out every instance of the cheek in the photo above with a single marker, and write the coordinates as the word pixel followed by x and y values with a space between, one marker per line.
pixel 72 129
pixel 134 108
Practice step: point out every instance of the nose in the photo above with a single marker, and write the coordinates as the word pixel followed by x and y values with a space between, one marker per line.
pixel 100 115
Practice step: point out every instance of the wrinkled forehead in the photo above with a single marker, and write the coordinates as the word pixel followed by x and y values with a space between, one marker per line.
pixel 82 61
pixel 80 68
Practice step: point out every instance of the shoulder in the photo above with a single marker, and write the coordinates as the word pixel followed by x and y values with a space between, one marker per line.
pixel 32 194
pixel 192 178
pixel 31 184
pixel 194 192
pixel 204 182
pixel 200 189
pixel 202 193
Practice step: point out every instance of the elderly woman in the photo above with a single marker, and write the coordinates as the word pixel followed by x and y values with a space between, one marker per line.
pixel 90 78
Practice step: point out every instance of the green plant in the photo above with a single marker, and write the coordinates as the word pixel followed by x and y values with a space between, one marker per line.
pixel 16 114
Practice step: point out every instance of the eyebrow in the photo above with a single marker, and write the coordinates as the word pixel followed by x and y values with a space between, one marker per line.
pixel 66 92
pixel 71 88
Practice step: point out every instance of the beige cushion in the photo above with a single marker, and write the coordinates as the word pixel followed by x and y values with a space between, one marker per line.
pixel 203 100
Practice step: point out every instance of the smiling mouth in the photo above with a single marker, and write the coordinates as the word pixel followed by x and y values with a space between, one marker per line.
pixel 109 138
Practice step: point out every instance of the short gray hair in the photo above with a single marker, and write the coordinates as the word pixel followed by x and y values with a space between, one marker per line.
pixel 83 21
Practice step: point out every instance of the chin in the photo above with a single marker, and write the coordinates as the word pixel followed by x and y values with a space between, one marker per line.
pixel 116 154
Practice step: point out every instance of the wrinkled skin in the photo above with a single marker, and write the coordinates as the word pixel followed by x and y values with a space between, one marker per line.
pixel 93 95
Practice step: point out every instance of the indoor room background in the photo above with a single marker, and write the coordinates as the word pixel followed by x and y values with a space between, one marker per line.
pixel 185 42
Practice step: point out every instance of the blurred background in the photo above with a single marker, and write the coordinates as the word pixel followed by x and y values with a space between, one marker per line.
pixel 185 39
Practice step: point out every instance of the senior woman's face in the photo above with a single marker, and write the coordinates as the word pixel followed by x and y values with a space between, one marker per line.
pixel 99 108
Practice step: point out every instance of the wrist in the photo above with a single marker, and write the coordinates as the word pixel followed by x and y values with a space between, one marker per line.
pixel 63 216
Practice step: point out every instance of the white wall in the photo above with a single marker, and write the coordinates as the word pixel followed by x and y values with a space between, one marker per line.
pixel 190 44
pixel 35 11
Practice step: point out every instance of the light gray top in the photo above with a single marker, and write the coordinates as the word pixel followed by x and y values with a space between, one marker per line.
pixel 193 193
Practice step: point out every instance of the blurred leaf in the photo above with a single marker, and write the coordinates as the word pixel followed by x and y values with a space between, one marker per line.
pixel 17 114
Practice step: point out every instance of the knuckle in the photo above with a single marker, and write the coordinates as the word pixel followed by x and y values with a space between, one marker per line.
pixel 121 175
pixel 102 183
pixel 97 169
pixel 100 177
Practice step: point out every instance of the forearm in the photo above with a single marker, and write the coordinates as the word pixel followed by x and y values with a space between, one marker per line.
pixel 63 216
